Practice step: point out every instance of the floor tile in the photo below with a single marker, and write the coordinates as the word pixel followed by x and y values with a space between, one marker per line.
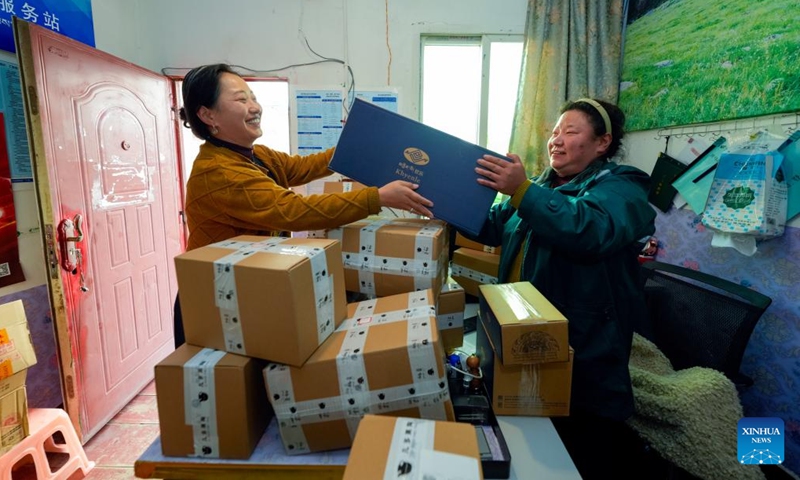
pixel 142 409
pixel 111 473
pixel 120 444
pixel 150 389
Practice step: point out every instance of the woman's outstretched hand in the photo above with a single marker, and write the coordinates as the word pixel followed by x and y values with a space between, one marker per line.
pixel 500 174
pixel 400 194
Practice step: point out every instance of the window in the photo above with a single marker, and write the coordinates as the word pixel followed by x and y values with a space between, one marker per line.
pixel 469 86
pixel 273 95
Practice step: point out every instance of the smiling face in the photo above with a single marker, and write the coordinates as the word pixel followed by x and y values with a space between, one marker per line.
pixel 573 145
pixel 236 116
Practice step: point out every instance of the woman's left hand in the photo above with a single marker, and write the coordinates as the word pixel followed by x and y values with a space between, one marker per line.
pixel 500 174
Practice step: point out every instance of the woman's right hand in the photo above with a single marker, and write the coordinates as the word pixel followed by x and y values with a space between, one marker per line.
pixel 400 194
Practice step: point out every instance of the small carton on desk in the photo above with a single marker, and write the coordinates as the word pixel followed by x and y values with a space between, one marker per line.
pixel 342 187
pixel 473 268
pixel 386 257
pixel 16 356
pixel 385 359
pixel 210 403
pixel 272 298
pixel 388 447
pixel 523 326
pixel 538 390
pixel 450 305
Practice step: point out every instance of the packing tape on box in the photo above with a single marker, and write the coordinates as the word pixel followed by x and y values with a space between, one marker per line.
pixel 226 297
pixel 522 308
pixel 428 392
pixel 453 319
pixel 410 438
pixel 200 403
pixel 423 267
pixel 464 272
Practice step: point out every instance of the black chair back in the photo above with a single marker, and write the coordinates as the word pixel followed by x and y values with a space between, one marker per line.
pixel 698 319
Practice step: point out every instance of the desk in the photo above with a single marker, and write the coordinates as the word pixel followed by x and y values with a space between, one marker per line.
pixel 536 452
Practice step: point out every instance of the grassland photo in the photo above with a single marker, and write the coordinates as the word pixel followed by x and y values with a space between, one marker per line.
pixel 698 61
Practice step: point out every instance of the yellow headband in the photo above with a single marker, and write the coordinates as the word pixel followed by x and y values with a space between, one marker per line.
pixel 600 110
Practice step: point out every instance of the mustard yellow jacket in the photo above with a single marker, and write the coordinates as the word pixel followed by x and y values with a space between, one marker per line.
pixel 228 195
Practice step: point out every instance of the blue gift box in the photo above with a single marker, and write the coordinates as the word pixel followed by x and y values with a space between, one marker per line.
pixel 378 146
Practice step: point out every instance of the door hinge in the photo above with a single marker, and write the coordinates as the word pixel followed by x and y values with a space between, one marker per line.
pixel 33 100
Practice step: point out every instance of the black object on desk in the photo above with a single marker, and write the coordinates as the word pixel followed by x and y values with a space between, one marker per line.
pixel 474 407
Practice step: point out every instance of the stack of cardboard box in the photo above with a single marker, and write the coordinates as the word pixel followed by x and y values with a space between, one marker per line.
pixel 474 264
pixel 526 359
pixel 16 356
pixel 268 327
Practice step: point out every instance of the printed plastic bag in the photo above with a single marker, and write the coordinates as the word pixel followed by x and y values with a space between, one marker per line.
pixel 749 193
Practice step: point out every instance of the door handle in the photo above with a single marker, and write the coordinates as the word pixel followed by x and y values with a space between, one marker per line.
pixel 70 232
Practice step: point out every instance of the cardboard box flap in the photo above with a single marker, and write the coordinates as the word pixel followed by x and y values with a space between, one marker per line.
pixel 16 348
pixel 451 446
pixel 520 303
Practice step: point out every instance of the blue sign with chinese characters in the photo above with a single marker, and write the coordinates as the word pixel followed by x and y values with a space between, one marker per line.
pixel 71 18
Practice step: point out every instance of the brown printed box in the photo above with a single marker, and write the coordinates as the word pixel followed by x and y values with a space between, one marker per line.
pixel 16 348
pixel 538 390
pixel 272 298
pixel 385 359
pixel 473 268
pixel 390 256
pixel 441 447
pixel 450 307
pixel 462 241
pixel 225 389
pixel 523 325
pixel 13 411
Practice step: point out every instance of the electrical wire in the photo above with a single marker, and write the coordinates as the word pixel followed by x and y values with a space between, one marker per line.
pixel 388 47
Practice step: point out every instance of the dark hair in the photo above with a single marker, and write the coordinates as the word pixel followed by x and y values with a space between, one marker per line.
pixel 615 115
pixel 201 89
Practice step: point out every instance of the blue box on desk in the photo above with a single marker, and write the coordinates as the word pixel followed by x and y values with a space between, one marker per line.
pixel 378 146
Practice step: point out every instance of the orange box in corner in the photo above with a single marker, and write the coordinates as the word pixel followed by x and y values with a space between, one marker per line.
pixel 523 325
pixel 472 268
pixel 450 305
pixel 272 298
pixel 386 359
pixel 16 348
pixel 462 241
pixel 385 257
pixel 441 447
pixel 537 390
pixel 229 402
pixel 13 411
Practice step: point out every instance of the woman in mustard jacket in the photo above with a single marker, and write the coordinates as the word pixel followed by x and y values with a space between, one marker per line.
pixel 239 188
pixel 575 233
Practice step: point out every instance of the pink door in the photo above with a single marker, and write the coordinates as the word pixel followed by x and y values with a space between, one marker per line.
pixel 106 176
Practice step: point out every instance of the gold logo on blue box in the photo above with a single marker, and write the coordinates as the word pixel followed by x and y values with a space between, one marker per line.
pixel 416 156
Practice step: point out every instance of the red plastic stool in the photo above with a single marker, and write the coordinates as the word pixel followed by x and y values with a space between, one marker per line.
pixel 44 423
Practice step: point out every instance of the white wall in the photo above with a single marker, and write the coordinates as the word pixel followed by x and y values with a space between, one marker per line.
pixel 263 35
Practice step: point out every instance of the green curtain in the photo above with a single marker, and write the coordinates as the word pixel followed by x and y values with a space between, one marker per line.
pixel 573 49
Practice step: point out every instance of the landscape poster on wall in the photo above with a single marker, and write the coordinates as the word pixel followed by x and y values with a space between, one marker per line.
pixel 699 61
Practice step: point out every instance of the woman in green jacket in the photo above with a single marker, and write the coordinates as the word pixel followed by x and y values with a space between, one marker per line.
pixel 575 233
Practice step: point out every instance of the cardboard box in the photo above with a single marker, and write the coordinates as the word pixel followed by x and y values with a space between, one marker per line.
pixel 462 241
pixel 225 389
pixel 16 349
pixel 450 305
pixel 265 297
pixel 538 390
pixel 378 146
pixel 437 447
pixel 472 268
pixel 390 256
pixel 523 325
pixel 386 359
pixel 13 411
